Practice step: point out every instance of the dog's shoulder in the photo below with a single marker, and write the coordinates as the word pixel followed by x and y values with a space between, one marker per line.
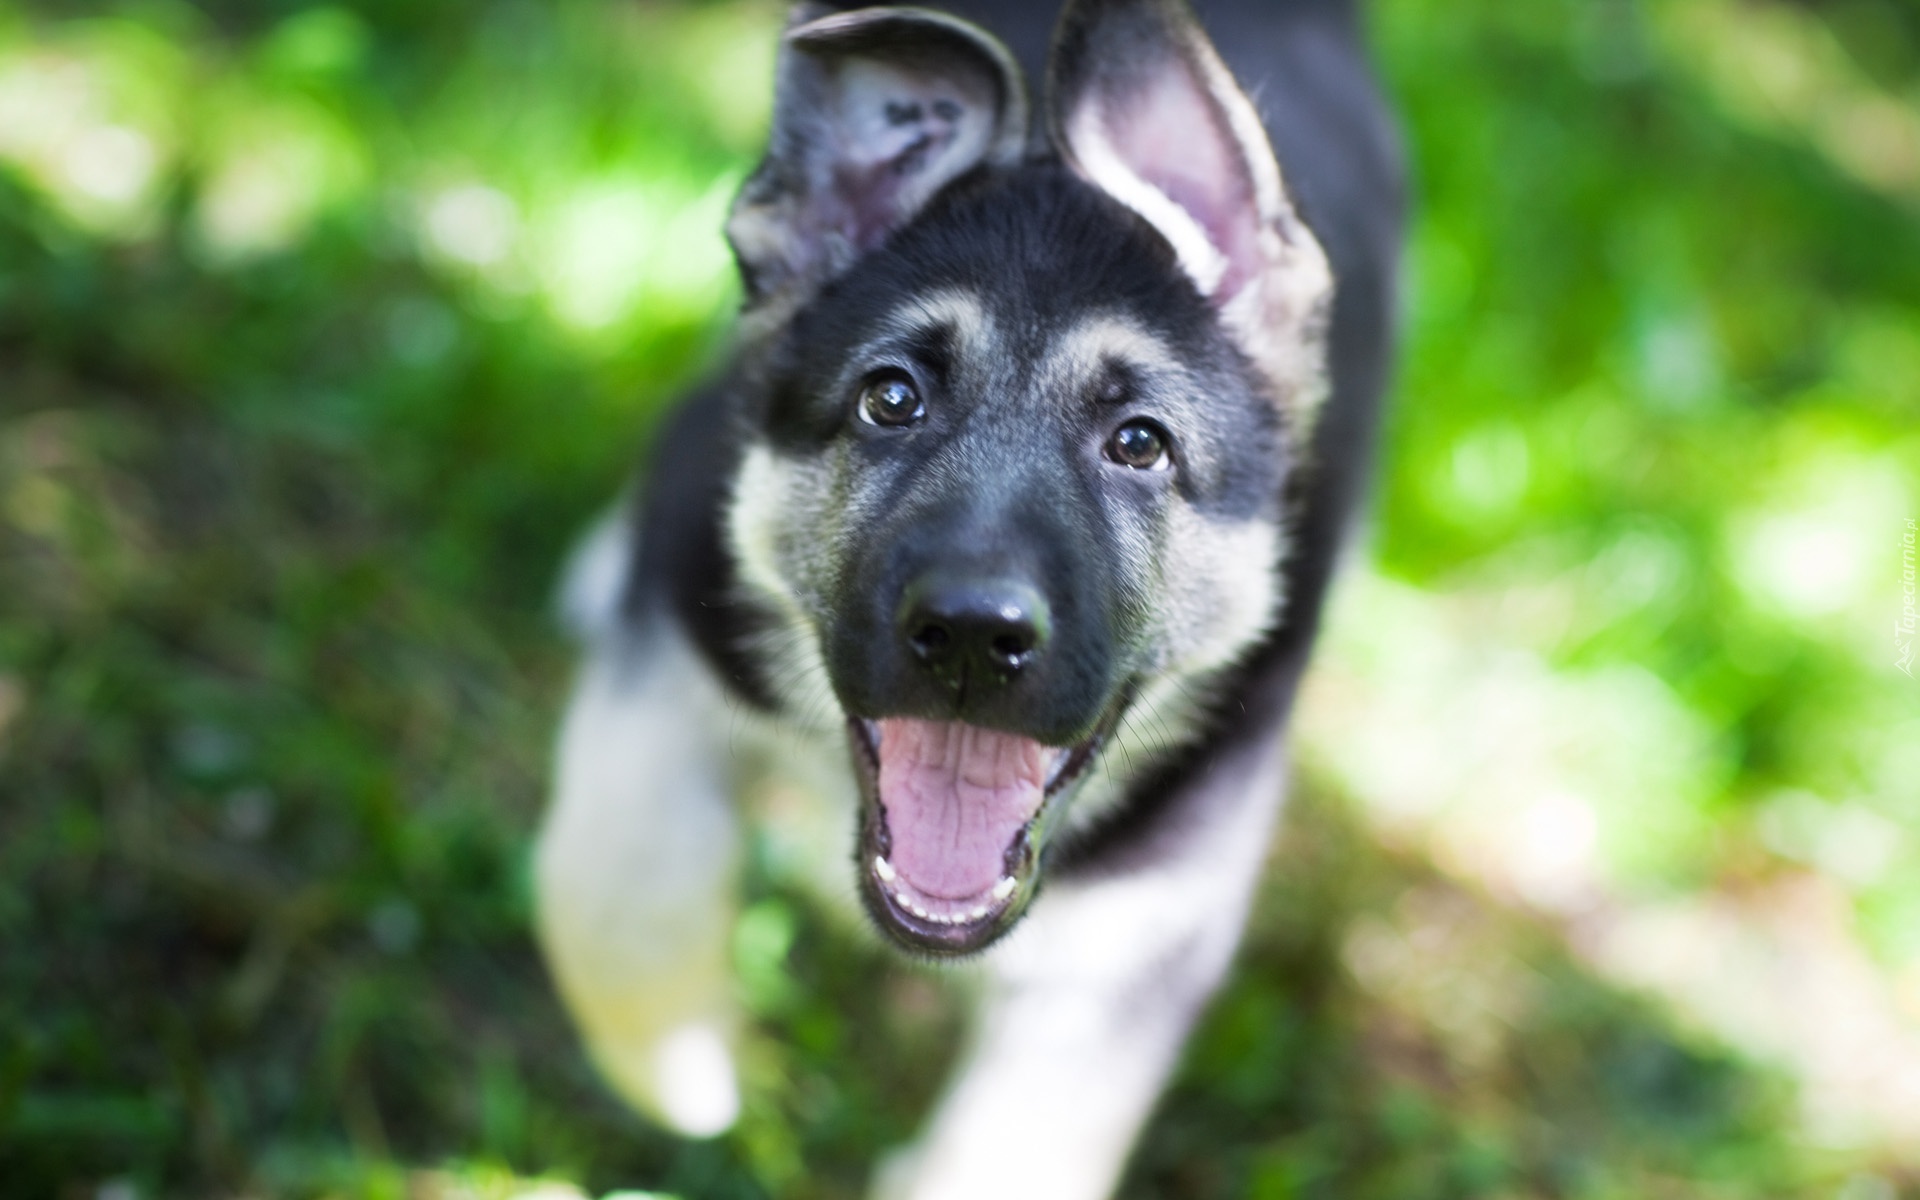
pixel 661 554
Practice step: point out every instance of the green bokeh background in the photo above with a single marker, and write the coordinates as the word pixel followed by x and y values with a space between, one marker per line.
pixel 323 330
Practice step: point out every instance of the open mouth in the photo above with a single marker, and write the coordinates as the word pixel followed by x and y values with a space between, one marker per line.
pixel 955 817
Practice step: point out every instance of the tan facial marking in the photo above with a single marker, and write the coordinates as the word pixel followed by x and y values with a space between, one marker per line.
pixel 1082 351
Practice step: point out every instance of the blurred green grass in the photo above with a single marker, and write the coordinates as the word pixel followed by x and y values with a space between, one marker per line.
pixel 323 329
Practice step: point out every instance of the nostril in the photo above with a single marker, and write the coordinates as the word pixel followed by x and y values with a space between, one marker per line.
pixel 930 641
pixel 1012 648
pixel 962 630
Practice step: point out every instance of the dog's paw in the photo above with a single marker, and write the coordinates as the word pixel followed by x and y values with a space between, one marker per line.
pixel 685 1079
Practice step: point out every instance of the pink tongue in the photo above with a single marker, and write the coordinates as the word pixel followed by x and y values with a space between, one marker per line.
pixel 955 797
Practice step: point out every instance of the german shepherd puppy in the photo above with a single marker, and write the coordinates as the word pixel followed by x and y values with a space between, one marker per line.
pixel 1002 538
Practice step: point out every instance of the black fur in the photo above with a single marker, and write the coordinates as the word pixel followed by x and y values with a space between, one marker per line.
pixel 682 568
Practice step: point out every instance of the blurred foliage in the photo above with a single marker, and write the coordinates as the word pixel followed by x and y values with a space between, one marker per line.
pixel 323 328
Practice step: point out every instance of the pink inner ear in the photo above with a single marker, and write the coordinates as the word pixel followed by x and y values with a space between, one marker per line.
pixel 893 129
pixel 1173 135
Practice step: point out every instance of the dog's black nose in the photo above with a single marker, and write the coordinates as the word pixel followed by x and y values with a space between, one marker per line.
pixel 982 629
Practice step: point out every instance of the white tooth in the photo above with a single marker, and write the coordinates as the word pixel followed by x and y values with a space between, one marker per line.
pixel 901 896
pixel 917 911
pixel 1004 888
pixel 884 870
pixel 978 914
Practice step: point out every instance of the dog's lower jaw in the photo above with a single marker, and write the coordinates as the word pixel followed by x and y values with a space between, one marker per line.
pixel 943 928
pixel 948 926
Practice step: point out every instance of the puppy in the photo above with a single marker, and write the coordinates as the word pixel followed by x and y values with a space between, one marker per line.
pixel 1003 538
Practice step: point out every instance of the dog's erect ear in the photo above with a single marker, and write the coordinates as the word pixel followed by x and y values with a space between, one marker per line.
pixel 874 111
pixel 1141 106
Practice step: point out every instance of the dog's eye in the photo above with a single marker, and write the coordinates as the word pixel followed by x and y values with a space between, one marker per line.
pixel 891 400
pixel 1141 445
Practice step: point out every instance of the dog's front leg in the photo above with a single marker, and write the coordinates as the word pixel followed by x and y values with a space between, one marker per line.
pixel 635 872
pixel 1087 1008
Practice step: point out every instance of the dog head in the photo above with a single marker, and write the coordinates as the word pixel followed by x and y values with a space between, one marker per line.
pixel 1021 420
